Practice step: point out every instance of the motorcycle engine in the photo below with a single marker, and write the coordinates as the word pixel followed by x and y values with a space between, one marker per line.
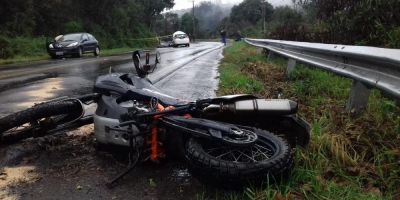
pixel 110 114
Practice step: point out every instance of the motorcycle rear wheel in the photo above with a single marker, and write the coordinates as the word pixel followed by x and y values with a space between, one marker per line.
pixel 268 160
pixel 38 120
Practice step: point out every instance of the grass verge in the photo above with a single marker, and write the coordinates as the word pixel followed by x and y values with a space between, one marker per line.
pixel 45 56
pixel 348 158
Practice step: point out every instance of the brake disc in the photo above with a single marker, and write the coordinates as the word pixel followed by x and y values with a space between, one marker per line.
pixel 240 137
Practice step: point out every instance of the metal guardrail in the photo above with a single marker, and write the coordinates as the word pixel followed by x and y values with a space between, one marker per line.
pixel 369 67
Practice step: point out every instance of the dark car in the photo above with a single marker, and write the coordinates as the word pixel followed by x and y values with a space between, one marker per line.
pixel 75 44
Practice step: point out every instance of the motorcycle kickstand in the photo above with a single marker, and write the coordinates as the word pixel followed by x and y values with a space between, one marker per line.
pixel 131 164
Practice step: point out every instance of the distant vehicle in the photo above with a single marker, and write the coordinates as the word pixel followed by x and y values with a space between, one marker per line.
pixel 180 38
pixel 75 44
pixel 166 42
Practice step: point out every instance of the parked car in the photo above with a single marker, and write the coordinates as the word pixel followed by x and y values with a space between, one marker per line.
pixel 166 42
pixel 180 38
pixel 75 44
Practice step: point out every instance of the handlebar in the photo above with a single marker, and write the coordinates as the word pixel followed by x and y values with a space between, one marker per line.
pixel 152 114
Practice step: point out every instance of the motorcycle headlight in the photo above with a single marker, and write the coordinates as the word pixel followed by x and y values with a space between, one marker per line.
pixel 73 44
pixel 51 46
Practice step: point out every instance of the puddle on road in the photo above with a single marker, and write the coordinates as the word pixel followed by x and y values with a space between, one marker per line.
pixel 14 100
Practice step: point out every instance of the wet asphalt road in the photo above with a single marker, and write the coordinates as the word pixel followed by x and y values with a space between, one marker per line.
pixel 73 76
pixel 70 167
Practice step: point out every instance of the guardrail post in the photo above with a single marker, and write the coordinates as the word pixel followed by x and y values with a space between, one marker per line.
pixel 290 66
pixel 358 99
pixel 271 56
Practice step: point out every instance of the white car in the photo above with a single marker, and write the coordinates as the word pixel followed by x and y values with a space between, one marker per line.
pixel 180 38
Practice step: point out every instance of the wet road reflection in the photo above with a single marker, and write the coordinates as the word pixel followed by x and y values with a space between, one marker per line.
pixel 76 77
pixel 17 99
pixel 196 80
pixel 75 161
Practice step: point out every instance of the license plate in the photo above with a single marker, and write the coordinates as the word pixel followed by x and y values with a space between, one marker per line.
pixel 59 53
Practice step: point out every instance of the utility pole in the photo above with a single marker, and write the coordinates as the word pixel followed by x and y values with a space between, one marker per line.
pixel 165 24
pixel 264 13
pixel 194 23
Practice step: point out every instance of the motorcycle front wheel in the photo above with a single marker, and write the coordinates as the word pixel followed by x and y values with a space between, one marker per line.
pixel 266 161
pixel 38 120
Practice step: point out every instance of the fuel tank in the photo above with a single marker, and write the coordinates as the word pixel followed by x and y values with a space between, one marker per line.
pixel 132 87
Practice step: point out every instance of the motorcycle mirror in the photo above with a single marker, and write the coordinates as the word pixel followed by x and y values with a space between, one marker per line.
pixel 145 62
pixel 58 37
pixel 111 70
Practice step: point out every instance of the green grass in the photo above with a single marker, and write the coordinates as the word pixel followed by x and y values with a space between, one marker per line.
pixel 45 56
pixel 232 80
pixel 23 59
pixel 23 49
pixel 348 158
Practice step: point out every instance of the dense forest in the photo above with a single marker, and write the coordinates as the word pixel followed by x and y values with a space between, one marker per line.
pixel 25 24
pixel 356 22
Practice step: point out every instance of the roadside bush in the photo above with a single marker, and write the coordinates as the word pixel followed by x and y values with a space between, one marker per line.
pixel 73 27
pixel 21 46
pixel 5 50
pixel 121 40
pixel 394 38
pixel 286 24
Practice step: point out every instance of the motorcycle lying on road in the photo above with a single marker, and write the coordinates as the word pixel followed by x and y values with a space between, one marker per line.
pixel 226 141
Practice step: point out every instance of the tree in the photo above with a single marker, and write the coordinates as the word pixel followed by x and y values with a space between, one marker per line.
pixel 152 8
pixel 251 11
pixel 17 17
pixel 367 22
pixel 287 24
pixel 209 16
pixel 167 23
pixel 187 23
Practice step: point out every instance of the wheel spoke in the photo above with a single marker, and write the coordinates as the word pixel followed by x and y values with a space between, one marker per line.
pixel 224 154
pixel 257 152
pixel 251 159
pixel 252 153
pixel 233 155
pixel 266 149
pixel 239 155
pixel 267 154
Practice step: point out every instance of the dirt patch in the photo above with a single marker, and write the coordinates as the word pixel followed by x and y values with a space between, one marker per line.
pixel 68 166
pixel 271 76
pixel 12 177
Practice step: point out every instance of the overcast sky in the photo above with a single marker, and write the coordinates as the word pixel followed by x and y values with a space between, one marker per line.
pixel 181 4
